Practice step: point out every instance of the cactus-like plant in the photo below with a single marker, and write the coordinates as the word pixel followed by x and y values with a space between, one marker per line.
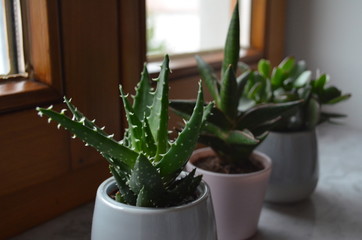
pixel 145 164
pixel 290 81
pixel 232 130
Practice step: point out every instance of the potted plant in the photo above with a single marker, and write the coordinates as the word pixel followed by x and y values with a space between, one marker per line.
pixel 236 174
pixel 293 143
pixel 147 197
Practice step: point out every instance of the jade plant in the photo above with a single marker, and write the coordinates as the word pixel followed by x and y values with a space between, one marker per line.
pixel 145 163
pixel 233 130
pixel 290 81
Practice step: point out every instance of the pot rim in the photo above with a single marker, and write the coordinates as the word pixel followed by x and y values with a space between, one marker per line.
pixel 109 184
pixel 262 157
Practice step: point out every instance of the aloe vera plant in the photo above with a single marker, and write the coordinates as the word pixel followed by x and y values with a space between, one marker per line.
pixel 290 81
pixel 145 164
pixel 233 130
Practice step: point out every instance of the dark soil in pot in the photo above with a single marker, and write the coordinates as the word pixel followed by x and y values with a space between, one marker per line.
pixel 214 164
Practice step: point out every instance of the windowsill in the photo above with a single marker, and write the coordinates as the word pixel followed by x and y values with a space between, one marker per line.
pixel 185 65
pixel 24 94
pixel 337 194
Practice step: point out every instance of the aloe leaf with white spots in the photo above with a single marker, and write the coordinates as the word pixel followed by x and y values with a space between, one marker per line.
pixel 176 157
pixel 158 118
pixel 144 165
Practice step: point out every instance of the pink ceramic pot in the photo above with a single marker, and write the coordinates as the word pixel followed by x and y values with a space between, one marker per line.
pixel 237 198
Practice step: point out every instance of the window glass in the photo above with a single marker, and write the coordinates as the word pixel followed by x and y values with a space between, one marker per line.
pixel 178 27
pixel 11 39
pixel 4 52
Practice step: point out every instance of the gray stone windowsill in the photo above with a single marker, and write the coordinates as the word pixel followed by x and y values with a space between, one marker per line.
pixel 334 211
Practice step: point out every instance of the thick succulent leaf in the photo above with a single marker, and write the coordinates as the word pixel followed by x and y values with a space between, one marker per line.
pixel 264 68
pixel 298 69
pixel 120 166
pixel 339 99
pixel 230 136
pixel 134 124
pixel 305 92
pixel 242 81
pixel 125 192
pixel 263 113
pixel 264 128
pixel 260 92
pixel 78 116
pixel 232 44
pixel 312 113
pixel 332 95
pixel 144 198
pixel 145 176
pixel 184 187
pixel 148 143
pixel 103 144
pixel 237 153
pixel 318 84
pixel 327 116
pixel 303 79
pixel 180 151
pixel 158 119
pixel 253 92
pixel 228 94
pixel 184 108
pixel 278 77
pixel 143 98
pixel 241 137
pixel 209 77
pixel 287 64
pixel 282 96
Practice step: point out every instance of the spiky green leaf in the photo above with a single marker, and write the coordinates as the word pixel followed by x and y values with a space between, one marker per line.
pixel 179 152
pixel 145 176
pixel 78 116
pixel 209 77
pixel 125 192
pixel 158 119
pixel 100 142
pixel 228 94
pixel 134 124
pixel 232 44
pixel 143 98
pixel 184 187
pixel 264 113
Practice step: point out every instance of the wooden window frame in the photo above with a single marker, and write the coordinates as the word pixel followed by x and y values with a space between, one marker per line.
pixel 42 56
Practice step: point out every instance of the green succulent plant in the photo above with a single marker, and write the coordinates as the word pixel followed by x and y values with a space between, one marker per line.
pixel 145 164
pixel 233 130
pixel 290 81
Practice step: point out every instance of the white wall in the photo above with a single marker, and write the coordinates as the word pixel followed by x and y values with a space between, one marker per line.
pixel 328 35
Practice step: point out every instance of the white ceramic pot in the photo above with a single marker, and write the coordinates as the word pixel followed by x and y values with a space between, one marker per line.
pixel 113 220
pixel 237 198
pixel 295 165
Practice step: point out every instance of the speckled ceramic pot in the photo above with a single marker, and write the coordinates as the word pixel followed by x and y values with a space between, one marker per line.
pixel 295 165
pixel 237 198
pixel 113 220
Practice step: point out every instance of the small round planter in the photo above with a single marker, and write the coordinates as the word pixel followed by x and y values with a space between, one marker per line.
pixel 237 198
pixel 113 220
pixel 295 165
